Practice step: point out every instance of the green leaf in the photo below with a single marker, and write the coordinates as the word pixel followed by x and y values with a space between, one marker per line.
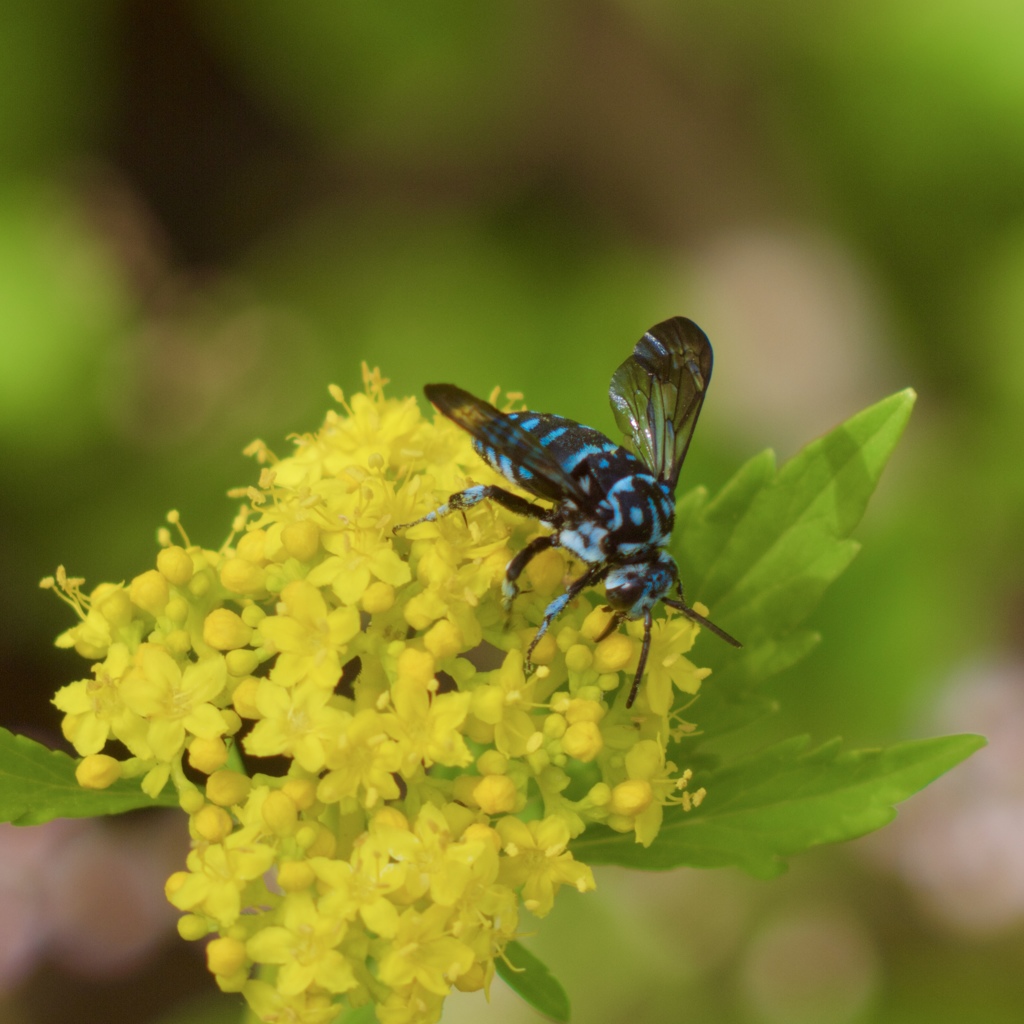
pixel 38 784
pixel 526 975
pixel 762 553
pixel 783 801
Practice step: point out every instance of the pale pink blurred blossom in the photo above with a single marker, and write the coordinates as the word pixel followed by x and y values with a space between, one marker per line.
pixel 86 895
pixel 959 844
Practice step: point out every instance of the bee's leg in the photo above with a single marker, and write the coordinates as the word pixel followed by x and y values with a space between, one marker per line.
pixel 682 606
pixel 509 588
pixel 613 624
pixel 642 663
pixel 473 496
pixel 592 576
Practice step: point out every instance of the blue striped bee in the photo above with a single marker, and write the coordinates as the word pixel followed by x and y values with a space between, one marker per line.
pixel 612 509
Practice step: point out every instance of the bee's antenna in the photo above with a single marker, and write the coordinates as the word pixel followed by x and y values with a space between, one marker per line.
pixel 697 617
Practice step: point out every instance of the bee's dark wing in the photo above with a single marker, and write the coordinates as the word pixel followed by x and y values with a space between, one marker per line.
pixel 657 393
pixel 534 467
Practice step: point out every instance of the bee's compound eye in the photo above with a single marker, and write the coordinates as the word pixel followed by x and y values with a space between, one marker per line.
pixel 625 587
pixel 636 589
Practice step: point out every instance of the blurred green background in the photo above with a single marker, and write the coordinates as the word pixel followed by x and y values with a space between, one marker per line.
pixel 211 210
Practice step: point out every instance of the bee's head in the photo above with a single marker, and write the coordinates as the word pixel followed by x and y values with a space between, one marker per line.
pixel 637 587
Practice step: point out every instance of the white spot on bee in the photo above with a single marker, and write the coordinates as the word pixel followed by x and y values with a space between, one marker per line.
pixel 584 542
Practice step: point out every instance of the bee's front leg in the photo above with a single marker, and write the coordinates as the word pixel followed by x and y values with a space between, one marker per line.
pixel 473 496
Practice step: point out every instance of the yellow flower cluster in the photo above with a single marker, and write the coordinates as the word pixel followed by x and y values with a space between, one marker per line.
pixel 430 785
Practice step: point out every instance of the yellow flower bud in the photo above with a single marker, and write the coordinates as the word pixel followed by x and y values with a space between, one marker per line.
pixel 225 956
pixel 579 658
pixel 175 882
pixel 545 651
pixel 488 703
pixel 614 653
pixel 546 571
pixel 178 641
pixel 459 818
pixel 492 762
pixel 416 666
pixel 378 597
pixel 422 609
pixel 192 928
pixel 224 630
pixel 212 823
pixel 177 610
pixel 301 540
pixel 496 794
pixel 478 731
pixel 244 697
pixel 85 649
pixel 316 840
pixel 472 980
pixel 596 622
pixel 207 755
pixel 554 727
pixel 115 606
pixel 241 662
pixel 302 792
pixel 243 577
pixel 645 759
pixel 235 983
pixel 295 875
pixel 631 797
pixel 190 800
pixel 253 615
pixel 443 640
pixel 479 832
pixel 97 771
pixel 199 585
pixel 464 789
pixel 175 565
pixel 566 637
pixel 584 711
pixel 227 787
pixel 391 817
pixel 280 813
pixel 583 741
pixel 252 546
pixel 150 592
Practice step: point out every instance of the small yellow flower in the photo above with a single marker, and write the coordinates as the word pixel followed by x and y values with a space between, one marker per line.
pixel 363 762
pixel 93 708
pixel 309 637
pixel 219 874
pixel 304 948
pixel 426 727
pixel 537 859
pixel 172 701
pixel 666 666
pixel 422 952
pixel 299 722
